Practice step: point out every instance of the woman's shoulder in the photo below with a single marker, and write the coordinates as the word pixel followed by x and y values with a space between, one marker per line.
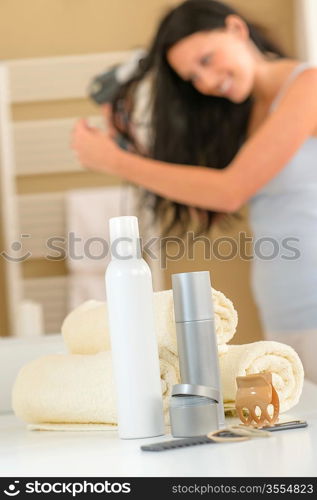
pixel 298 90
pixel 299 68
pixel 301 74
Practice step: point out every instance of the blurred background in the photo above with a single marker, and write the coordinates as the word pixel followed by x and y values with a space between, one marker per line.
pixel 49 53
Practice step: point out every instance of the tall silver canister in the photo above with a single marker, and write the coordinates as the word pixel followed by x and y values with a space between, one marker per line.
pixel 196 405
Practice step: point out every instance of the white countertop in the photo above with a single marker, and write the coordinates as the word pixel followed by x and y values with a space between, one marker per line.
pixel 100 453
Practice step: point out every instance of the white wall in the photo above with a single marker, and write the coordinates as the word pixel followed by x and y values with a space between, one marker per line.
pixel 306 29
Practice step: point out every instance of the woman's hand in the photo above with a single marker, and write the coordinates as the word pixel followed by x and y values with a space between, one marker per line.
pixel 106 111
pixel 94 148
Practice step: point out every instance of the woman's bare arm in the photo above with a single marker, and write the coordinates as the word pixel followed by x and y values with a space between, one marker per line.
pixel 195 186
pixel 258 161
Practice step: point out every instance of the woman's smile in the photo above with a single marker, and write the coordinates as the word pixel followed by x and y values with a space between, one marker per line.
pixel 225 87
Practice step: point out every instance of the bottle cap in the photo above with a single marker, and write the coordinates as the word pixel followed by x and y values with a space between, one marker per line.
pixel 192 296
pixel 196 390
pixel 124 237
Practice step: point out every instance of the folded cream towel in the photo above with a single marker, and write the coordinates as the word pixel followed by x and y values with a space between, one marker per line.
pixel 85 329
pixel 74 389
pixel 261 357
pixel 77 390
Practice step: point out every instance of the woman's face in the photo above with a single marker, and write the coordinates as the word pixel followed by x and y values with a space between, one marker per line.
pixel 218 62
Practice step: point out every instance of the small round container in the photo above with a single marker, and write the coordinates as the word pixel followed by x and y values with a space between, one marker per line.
pixel 192 415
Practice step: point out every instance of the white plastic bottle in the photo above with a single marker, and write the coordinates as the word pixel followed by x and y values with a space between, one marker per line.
pixel 132 333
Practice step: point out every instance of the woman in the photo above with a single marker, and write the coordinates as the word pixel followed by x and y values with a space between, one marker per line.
pixel 232 121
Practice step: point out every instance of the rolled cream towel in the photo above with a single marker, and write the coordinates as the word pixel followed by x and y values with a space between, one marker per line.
pixel 85 329
pixel 261 357
pixel 74 389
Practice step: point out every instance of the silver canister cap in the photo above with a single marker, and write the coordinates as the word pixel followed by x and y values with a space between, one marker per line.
pixel 192 296
pixel 196 390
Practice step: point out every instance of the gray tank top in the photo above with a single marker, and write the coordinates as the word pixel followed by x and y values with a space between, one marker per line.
pixel 286 207
pixel 288 203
